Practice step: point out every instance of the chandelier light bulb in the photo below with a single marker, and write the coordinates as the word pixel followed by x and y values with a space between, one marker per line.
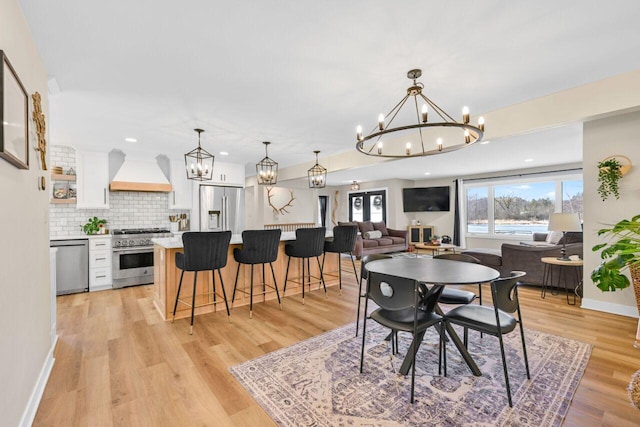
pixel 381 121
pixel 465 114
pixel 439 141
pixel 467 137
pixel 380 147
pixel 481 123
pixel 359 133
pixel 408 149
pixel 425 112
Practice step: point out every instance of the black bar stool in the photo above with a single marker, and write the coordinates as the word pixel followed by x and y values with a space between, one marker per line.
pixel 309 243
pixel 344 241
pixel 203 251
pixel 364 274
pixel 258 247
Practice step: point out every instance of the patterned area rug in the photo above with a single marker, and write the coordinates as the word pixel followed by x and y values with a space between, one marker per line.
pixel 317 382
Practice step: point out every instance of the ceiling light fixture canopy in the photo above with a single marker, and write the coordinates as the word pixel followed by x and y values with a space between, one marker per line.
pixel 444 135
pixel 267 169
pixel 199 162
pixel 355 186
pixel 317 174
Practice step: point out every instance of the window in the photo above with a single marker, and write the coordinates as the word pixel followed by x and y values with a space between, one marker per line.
pixel 368 206
pixel 520 206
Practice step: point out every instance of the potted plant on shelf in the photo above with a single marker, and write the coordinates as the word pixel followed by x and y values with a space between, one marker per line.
pixel 94 225
pixel 609 173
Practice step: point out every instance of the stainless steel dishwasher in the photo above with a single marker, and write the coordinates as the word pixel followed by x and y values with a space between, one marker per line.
pixel 72 266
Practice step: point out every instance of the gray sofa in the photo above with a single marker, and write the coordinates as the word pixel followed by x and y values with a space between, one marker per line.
pixel 512 257
pixel 390 240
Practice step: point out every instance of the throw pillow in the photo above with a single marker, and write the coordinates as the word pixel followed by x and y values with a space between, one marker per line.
pixel 365 226
pixel 381 226
pixel 554 237
pixel 375 234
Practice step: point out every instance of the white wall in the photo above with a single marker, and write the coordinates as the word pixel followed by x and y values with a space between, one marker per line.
pixel 25 341
pixel 603 138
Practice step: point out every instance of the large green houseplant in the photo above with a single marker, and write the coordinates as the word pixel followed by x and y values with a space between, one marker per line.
pixel 619 254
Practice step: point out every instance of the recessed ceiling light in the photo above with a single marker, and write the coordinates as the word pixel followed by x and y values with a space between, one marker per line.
pixel 484 142
pixel 528 160
pixel 427 173
pixel 224 153
pixel 131 140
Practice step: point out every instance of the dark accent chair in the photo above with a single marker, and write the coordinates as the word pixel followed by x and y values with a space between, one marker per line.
pixel 202 251
pixel 258 247
pixel 450 295
pixel 496 320
pixel 364 274
pixel 343 242
pixel 403 308
pixel 309 243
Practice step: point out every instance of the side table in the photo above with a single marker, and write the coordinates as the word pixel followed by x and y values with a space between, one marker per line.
pixel 562 266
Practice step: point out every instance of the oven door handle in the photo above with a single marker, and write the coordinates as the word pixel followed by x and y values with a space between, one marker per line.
pixel 137 250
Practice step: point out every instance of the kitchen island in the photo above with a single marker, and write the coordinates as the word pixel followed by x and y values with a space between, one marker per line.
pixel 167 277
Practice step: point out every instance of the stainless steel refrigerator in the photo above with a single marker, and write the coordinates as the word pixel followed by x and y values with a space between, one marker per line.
pixel 221 208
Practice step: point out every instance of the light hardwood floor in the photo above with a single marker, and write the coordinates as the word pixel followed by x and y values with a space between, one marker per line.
pixel 118 364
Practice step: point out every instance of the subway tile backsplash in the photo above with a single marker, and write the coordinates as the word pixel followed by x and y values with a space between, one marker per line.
pixel 127 209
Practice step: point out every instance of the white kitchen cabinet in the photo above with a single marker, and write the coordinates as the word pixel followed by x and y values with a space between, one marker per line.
pixel 180 196
pixel 92 170
pixel 100 263
pixel 227 174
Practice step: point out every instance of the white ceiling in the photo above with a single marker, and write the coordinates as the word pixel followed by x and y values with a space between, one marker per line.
pixel 302 74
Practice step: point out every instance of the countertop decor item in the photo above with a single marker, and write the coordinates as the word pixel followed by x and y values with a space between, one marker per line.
pixel 424 137
pixel 610 171
pixel 94 225
pixel 199 162
pixel 317 174
pixel 267 168
pixel 14 116
pixel 619 254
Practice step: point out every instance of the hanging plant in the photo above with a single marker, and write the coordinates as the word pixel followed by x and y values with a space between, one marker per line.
pixel 609 173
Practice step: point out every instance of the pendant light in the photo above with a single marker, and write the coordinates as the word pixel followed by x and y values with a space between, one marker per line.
pixel 317 174
pixel 267 169
pixel 199 162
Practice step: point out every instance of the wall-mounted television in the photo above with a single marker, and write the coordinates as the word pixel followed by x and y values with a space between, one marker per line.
pixel 425 199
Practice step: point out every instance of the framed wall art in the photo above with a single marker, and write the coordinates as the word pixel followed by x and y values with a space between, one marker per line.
pixel 14 116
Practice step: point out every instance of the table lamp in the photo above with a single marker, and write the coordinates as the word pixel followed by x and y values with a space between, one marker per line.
pixel 564 222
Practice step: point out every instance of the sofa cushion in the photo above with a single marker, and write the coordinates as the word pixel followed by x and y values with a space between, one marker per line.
pixel 369 243
pixel 385 241
pixel 375 234
pixel 382 227
pixel 571 237
pixel 396 240
pixel 365 226
pixel 488 257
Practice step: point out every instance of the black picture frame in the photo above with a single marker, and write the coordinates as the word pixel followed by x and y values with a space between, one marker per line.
pixel 14 116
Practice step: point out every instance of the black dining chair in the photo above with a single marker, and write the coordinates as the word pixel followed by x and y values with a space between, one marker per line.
pixel 309 244
pixel 402 307
pixel 203 251
pixel 364 276
pixel 343 242
pixel 496 320
pixel 458 296
pixel 258 247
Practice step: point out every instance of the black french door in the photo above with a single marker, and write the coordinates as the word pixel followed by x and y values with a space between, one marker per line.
pixel 368 206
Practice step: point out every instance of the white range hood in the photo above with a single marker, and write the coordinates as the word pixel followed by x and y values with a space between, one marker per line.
pixel 137 174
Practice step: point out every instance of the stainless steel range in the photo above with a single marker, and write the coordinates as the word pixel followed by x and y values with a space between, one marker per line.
pixel 133 255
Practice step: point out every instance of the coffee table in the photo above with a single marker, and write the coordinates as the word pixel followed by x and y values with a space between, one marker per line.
pixel 436 249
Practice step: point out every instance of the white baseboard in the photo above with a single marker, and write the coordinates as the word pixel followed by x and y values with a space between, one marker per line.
pixel 29 413
pixel 608 307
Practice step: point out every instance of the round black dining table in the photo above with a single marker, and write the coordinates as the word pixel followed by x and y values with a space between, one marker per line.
pixel 436 272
